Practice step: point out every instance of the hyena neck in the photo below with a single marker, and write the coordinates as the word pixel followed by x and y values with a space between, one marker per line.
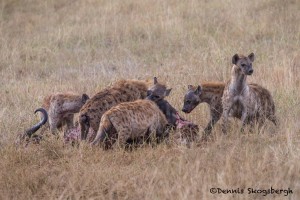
pixel 72 106
pixel 169 111
pixel 238 81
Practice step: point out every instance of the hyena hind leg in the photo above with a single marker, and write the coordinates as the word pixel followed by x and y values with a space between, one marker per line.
pixel 123 137
pixel 69 121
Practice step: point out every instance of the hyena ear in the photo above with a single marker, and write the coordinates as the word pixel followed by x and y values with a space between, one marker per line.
pixel 167 92
pixel 235 58
pixel 198 90
pixel 251 57
pixel 190 87
pixel 84 97
pixel 155 80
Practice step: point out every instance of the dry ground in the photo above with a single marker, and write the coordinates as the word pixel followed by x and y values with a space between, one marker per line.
pixel 65 45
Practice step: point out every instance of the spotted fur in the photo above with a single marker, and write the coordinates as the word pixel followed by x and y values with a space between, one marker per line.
pixel 122 91
pixel 130 121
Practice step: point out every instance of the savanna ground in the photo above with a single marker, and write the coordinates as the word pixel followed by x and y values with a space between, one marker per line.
pixel 83 46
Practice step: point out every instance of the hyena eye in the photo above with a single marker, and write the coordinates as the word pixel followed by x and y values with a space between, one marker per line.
pixel 188 102
pixel 243 65
pixel 156 97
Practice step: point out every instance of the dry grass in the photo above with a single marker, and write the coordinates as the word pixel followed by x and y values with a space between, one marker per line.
pixel 82 46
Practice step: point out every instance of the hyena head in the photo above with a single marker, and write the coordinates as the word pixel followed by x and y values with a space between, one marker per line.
pixel 191 98
pixel 157 91
pixel 244 63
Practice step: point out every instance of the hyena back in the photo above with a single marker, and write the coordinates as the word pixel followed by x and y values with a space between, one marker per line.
pixel 122 91
pixel 129 121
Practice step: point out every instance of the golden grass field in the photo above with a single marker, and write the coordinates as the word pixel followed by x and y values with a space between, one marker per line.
pixel 83 46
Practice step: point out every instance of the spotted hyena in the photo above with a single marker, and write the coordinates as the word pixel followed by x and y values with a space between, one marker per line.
pixel 59 109
pixel 122 91
pixel 211 93
pixel 184 129
pixel 256 103
pixel 130 121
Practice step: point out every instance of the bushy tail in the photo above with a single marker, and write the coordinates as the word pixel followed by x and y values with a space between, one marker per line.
pixel 37 126
pixel 106 127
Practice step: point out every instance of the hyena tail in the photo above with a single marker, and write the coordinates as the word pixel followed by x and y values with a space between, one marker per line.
pixel 106 127
pixel 37 126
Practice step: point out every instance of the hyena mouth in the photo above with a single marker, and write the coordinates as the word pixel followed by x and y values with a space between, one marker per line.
pixel 180 122
pixel 186 110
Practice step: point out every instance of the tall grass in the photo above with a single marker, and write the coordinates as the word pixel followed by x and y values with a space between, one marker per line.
pixel 82 46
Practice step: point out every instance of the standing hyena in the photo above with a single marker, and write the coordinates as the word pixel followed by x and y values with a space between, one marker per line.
pixel 257 104
pixel 211 93
pixel 61 108
pixel 122 91
pixel 130 121
pixel 58 110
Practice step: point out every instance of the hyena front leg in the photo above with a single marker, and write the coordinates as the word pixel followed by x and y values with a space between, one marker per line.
pixel 245 117
pixel 225 116
pixel 215 117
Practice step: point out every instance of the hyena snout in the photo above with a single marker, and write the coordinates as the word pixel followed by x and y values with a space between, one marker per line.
pixel 250 72
pixel 186 109
pixel 189 105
